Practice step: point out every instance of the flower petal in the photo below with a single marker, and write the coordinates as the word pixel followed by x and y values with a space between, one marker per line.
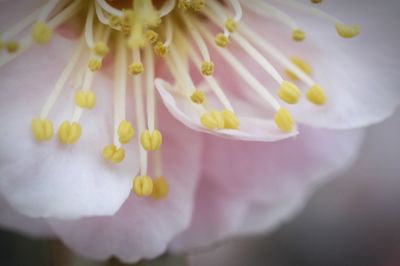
pixel 358 75
pixel 251 129
pixel 219 215
pixel 142 228
pixel 266 172
pixel 13 220
pixel 48 179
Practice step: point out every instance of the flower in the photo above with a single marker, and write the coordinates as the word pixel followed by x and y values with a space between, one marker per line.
pixel 223 164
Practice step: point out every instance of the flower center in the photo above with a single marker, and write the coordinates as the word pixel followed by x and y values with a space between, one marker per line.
pixel 176 31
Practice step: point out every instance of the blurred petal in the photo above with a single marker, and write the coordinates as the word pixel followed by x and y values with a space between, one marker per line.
pixel 142 228
pixel 15 221
pixel 219 216
pixel 265 172
pixel 48 179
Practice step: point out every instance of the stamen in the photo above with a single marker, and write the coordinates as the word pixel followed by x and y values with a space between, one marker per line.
pixel 345 31
pixel 151 141
pixel 62 80
pixel 284 120
pixel 22 24
pixel 213 84
pixel 41 33
pixel 26 41
pixel 136 67
pixel 46 10
pixel 167 8
pixel 237 8
pixel 113 154
pixel 160 188
pixel 289 92
pixel 302 65
pixel 243 72
pixel 198 5
pixel 200 44
pixel 42 129
pixel 258 57
pixel 168 32
pixel 279 57
pixel 198 97
pixel 12 46
pixel 143 186
pixel 151 102
pixel 89 27
pixel 316 95
pixel 213 120
pixel 266 9
pixel 113 11
pixel 230 120
pixel 140 120
pixel 69 132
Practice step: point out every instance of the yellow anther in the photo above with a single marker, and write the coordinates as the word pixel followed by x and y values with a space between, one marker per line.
pixel 12 46
pixel 85 99
pixel 113 154
pixel 316 1
pixel 160 188
pixel 316 95
pixel 41 32
pixel 289 92
pixel 230 120
pixel 348 31
pixel 198 97
pixel 69 133
pixel 304 66
pixel 143 186
pixel 151 36
pixel 160 49
pixel 184 4
pixel 125 131
pixel 221 40
pixel 114 21
pixel 207 68
pixel 151 141
pixel 284 120
pixel 231 25
pixel 42 129
pixel 94 64
pixel 198 5
pixel 213 120
pixel 136 68
pixel 101 49
pixel 298 35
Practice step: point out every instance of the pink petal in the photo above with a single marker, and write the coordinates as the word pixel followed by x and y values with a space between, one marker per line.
pixel 219 215
pixel 142 228
pixel 266 172
pixel 251 128
pixel 13 11
pixel 359 75
pixel 253 187
pixel 48 179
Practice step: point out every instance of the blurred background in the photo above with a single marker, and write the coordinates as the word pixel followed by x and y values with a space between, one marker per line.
pixel 353 220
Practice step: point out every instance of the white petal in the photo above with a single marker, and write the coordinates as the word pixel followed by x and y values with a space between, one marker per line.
pixel 48 179
pixel 143 227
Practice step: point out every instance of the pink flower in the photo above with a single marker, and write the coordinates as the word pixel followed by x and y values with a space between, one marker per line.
pixel 225 163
